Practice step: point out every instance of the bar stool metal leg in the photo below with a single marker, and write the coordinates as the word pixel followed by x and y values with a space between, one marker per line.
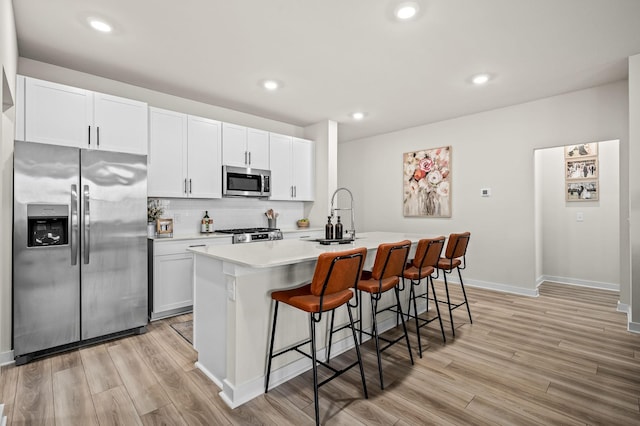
pixel 435 299
pixel 464 293
pixel 412 297
pixel 374 312
pixel 404 326
pixel 312 327
pixel 355 341
pixel 273 334
pixel 333 315
pixel 446 287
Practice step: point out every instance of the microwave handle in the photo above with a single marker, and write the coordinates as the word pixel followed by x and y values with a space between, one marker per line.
pixel 265 185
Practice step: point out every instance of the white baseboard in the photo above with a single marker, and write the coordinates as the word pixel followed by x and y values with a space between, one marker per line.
pixel 583 283
pixel 623 307
pixel 6 358
pixel 504 288
pixel 634 327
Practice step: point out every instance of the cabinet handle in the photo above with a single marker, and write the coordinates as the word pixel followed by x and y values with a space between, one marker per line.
pixel 249 157
pixel 185 185
pixel 245 157
pixel 295 191
pixel 89 136
pixel 190 186
pixel 198 245
pixel 291 191
pixel 98 133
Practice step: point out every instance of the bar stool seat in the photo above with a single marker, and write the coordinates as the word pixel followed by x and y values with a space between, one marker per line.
pixel 303 299
pixel 333 285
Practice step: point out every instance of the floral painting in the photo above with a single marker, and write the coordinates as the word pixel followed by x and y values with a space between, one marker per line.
pixel 427 182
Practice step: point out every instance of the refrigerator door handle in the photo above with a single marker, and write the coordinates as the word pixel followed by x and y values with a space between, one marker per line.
pixel 73 242
pixel 87 225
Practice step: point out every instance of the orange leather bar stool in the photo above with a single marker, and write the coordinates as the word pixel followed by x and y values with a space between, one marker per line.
pixel 423 265
pixel 455 258
pixel 333 285
pixel 385 275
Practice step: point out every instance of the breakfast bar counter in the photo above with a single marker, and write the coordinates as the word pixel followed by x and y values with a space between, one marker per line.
pixel 233 309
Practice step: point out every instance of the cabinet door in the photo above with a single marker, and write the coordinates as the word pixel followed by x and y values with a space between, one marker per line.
pixel 120 124
pixel 172 282
pixel 167 168
pixel 204 154
pixel 303 167
pixel 234 145
pixel 57 114
pixel 280 153
pixel 258 148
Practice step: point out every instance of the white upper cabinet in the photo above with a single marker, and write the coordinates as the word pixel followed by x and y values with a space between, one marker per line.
pixel 184 156
pixel 204 158
pixel 120 124
pixel 280 153
pixel 57 114
pixel 65 115
pixel 245 147
pixel 303 169
pixel 292 168
pixel 167 160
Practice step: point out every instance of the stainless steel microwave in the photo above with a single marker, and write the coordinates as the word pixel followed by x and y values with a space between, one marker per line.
pixel 245 182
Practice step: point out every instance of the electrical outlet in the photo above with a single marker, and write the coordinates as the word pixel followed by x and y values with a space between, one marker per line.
pixel 485 192
pixel 579 217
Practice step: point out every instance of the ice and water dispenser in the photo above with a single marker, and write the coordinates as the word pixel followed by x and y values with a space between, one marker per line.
pixel 47 224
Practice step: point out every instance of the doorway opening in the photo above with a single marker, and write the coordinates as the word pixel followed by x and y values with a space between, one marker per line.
pixel 578 237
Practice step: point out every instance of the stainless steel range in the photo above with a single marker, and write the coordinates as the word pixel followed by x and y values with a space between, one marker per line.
pixel 252 235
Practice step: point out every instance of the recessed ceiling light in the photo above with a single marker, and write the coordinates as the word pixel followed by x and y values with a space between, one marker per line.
pixel 100 25
pixel 406 10
pixel 357 115
pixel 270 84
pixel 480 79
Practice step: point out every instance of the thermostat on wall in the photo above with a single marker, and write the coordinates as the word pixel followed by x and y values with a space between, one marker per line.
pixel 485 192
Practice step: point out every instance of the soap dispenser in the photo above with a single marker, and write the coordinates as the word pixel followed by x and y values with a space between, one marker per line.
pixel 328 230
pixel 338 230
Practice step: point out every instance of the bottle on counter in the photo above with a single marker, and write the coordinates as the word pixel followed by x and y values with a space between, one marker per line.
pixel 207 223
pixel 328 230
pixel 338 230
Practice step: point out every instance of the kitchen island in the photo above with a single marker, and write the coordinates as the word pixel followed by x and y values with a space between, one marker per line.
pixel 233 309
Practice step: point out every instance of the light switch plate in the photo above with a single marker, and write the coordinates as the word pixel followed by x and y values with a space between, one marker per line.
pixel 579 217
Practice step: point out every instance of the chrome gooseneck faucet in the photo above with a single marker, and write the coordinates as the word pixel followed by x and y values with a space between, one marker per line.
pixel 351 231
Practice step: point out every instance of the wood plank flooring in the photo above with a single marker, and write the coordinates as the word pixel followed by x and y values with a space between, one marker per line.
pixel 562 358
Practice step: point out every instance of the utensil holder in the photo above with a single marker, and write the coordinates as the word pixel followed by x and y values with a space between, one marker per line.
pixel 271 223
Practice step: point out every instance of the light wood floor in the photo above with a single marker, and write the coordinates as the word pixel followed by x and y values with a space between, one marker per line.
pixel 562 358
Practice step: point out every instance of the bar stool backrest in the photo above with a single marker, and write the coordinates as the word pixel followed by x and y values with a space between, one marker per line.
pixel 457 245
pixel 428 252
pixel 390 259
pixel 337 271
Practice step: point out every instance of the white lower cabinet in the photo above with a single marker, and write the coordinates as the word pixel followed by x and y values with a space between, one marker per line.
pixel 171 276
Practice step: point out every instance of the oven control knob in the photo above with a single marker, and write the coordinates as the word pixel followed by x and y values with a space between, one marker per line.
pixel 242 238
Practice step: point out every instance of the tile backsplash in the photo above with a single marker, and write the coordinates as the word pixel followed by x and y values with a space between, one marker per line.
pixel 228 213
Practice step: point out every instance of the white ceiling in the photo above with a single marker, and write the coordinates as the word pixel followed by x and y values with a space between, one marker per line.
pixel 338 56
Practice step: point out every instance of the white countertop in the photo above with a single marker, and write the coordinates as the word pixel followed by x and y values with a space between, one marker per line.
pixel 285 252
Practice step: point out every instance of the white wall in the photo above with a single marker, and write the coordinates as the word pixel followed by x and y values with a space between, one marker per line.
pixel 8 63
pixel 634 188
pixel 493 149
pixel 586 252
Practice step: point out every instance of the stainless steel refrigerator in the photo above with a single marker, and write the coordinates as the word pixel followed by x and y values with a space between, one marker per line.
pixel 79 247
